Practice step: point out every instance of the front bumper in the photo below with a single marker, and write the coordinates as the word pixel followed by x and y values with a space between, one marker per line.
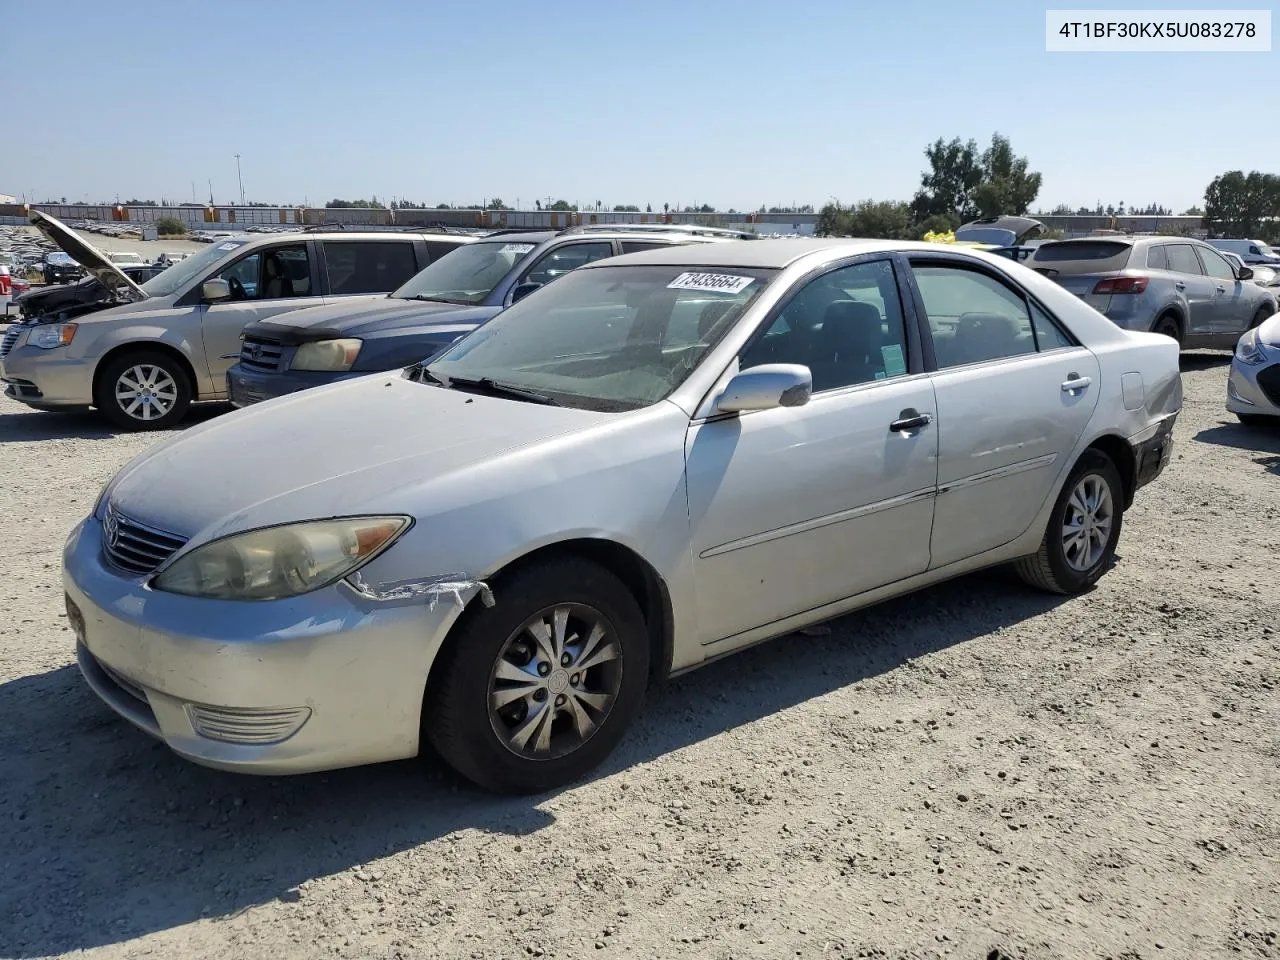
pixel 46 379
pixel 224 682
pixel 246 386
pixel 1254 389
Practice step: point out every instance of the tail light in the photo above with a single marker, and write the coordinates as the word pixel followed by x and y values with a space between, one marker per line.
pixel 6 285
pixel 1113 285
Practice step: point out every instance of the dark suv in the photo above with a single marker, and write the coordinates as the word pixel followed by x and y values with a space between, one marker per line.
pixel 447 300
pixel 58 267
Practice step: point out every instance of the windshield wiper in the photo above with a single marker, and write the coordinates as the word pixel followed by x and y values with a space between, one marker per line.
pixel 500 389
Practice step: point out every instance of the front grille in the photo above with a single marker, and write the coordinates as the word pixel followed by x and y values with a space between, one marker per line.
pixel 258 354
pixel 1269 381
pixel 136 548
pixel 246 724
pixel 10 338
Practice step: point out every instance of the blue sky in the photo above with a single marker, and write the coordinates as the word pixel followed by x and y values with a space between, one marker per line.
pixel 730 102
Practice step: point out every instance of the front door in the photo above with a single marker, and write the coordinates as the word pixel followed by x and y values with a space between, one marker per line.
pixel 1231 311
pixel 1199 290
pixel 266 282
pixel 1014 395
pixel 797 507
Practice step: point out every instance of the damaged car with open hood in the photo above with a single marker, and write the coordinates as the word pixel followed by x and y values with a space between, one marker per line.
pixel 656 460
pixel 161 345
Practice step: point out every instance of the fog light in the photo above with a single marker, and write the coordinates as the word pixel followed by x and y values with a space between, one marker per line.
pixel 248 725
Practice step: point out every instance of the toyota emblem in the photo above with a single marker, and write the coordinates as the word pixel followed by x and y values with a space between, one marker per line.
pixel 111 527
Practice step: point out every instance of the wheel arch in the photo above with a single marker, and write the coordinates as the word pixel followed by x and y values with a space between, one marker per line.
pixel 1119 452
pixel 1173 309
pixel 145 346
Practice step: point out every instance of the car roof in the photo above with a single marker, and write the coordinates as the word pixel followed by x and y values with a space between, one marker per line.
pixel 760 254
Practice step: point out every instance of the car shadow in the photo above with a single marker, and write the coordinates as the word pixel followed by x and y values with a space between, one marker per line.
pixel 203 843
pixel 30 425
pixel 1261 439
pixel 1204 360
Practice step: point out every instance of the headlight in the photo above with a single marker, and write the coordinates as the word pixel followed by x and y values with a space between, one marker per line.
pixel 1250 349
pixel 332 355
pixel 50 335
pixel 277 562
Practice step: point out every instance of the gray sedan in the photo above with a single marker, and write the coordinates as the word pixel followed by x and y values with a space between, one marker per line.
pixel 1180 287
pixel 655 461
pixel 1253 386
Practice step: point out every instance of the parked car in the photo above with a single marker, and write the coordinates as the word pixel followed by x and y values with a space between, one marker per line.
pixel 1263 276
pixel 653 462
pixel 1250 251
pixel 65 301
pixel 58 267
pixel 1176 286
pixel 1253 385
pixel 159 346
pixel 451 297
pixel 999 231
pixel 125 257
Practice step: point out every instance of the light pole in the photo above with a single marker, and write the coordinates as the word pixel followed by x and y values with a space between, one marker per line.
pixel 241 179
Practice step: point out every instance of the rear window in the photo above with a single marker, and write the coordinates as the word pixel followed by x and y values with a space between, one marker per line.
pixel 1080 250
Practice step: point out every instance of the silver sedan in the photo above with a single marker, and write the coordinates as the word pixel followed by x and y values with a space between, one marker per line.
pixel 1253 386
pixel 655 461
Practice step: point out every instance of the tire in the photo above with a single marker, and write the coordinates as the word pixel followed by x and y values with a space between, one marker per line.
pixel 1264 314
pixel 1168 325
pixel 1052 567
pixel 481 739
pixel 152 384
pixel 1258 420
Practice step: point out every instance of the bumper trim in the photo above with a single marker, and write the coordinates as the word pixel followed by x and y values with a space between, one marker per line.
pixel 1152 454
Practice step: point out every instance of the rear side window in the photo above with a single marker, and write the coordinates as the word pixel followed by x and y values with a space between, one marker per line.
pixel 568 257
pixel 972 317
pixel 1049 336
pixel 1157 259
pixel 636 246
pixel 368 266
pixel 1182 259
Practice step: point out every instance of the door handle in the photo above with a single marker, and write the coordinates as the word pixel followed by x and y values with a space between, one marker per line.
pixel 1075 382
pixel 909 420
pixel 1221 289
pixel 1180 285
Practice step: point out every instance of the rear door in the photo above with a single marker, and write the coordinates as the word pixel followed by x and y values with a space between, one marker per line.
pixel 1014 394
pixel 1200 291
pixel 264 282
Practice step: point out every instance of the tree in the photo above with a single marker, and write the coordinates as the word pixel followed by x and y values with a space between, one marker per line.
pixel 626 208
pixel 1193 212
pixel 443 206
pixel 170 227
pixel 538 204
pixel 371 203
pixel 496 204
pixel 1240 205
pixel 666 208
pixel 648 208
pixel 561 205
pixel 886 219
pixel 965 184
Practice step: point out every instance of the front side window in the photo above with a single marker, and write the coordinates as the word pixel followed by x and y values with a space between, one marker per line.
pixel 1214 264
pixel 568 257
pixel 276 273
pixel 1182 259
pixel 468 274
pixel 846 326
pixel 607 338
pixel 367 266
pixel 972 317
pixel 188 268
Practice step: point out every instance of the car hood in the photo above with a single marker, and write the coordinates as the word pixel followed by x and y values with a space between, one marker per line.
pixel 88 256
pixel 370 316
pixel 339 450
pixel 1269 331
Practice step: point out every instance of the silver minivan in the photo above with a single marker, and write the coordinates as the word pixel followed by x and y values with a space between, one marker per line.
pixel 142 361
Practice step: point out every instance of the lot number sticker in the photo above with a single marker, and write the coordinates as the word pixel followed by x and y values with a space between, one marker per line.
pixel 711 282
pixel 517 248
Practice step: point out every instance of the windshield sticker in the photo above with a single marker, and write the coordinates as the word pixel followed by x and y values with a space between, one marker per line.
pixel 894 363
pixel 517 248
pixel 711 282
pixel 229 246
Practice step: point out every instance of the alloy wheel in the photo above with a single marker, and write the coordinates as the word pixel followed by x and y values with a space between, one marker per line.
pixel 1087 523
pixel 555 681
pixel 146 392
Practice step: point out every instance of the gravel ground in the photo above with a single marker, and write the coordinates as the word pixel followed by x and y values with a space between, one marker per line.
pixel 977 772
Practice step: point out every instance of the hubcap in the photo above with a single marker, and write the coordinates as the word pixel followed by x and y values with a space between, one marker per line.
pixel 554 682
pixel 1086 527
pixel 146 392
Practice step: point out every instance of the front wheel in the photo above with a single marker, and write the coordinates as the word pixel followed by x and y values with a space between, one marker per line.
pixel 1262 316
pixel 145 390
pixel 536 691
pixel 1083 530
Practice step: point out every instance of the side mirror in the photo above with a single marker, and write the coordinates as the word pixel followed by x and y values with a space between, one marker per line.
pixel 765 387
pixel 523 290
pixel 1244 273
pixel 214 290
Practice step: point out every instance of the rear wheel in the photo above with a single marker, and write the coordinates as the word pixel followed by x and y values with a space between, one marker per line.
pixel 144 390
pixel 1083 530
pixel 1168 325
pixel 536 691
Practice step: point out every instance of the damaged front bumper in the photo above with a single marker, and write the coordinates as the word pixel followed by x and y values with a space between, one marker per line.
pixel 328 679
